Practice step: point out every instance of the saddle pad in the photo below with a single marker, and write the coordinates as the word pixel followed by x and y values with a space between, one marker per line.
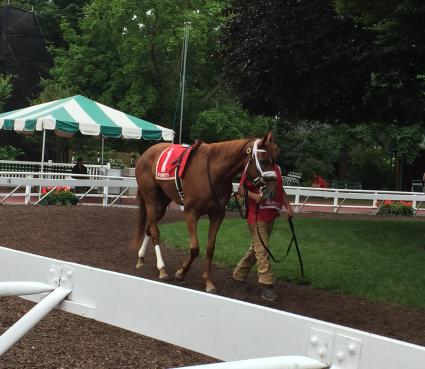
pixel 167 162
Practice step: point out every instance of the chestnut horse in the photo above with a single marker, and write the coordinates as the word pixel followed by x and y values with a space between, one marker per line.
pixel 207 186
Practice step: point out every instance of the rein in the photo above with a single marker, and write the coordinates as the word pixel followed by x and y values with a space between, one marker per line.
pixel 293 240
pixel 261 239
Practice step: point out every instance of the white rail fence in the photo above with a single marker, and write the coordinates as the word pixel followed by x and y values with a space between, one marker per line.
pixel 303 196
pixel 94 185
pixel 216 326
pixel 10 168
pixel 110 189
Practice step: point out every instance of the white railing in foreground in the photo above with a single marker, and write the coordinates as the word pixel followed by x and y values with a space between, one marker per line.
pixel 278 362
pixel 213 325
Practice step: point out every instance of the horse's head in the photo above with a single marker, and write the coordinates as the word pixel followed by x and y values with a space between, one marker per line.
pixel 263 154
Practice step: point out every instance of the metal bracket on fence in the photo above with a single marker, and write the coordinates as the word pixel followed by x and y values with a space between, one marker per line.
pixel 321 345
pixel 118 197
pixel 338 350
pixel 346 352
pixel 10 193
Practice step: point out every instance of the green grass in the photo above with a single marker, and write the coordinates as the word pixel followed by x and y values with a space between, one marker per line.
pixel 381 260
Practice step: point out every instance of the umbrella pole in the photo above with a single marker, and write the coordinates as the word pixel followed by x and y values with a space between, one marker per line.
pixel 42 150
pixel 103 147
pixel 42 159
pixel 185 45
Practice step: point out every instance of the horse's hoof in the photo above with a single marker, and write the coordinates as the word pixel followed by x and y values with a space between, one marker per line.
pixel 140 263
pixel 211 289
pixel 179 275
pixel 163 275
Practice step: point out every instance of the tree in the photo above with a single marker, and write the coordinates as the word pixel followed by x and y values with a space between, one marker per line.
pixel 296 59
pixel 126 54
pixel 51 13
pixel 228 121
pixel 6 89
pixel 396 93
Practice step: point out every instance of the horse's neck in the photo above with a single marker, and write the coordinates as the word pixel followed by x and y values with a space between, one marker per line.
pixel 228 157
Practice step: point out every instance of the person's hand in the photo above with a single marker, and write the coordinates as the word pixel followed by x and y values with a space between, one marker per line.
pixel 257 198
pixel 289 214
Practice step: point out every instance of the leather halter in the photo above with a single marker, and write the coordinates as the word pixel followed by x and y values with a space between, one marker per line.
pixel 263 176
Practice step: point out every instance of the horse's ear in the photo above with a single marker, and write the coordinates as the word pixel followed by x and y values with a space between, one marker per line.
pixel 268 137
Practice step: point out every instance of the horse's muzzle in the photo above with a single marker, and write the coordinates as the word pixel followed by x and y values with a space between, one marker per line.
pixel 267 194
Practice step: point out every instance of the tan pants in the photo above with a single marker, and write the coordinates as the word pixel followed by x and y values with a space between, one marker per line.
pixel 256 253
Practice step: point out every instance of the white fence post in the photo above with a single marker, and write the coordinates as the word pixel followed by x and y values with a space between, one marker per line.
pixel 105 196
pixel 335 202
pixel 28 192
pixel 375 201
pixel 297 201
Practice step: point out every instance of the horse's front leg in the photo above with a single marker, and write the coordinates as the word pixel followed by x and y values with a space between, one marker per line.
pixel 192 226
pixel 215 221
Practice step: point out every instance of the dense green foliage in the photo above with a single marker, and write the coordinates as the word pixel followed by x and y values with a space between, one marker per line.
pixel 127 56
pixel 366 258
pixel 396 208
pixel 6 89
pixel 60 198
pixel 398 60
pixel 302 60
pixel 296 59
pixel 9 153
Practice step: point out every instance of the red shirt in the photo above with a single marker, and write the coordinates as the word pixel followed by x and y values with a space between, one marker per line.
pixel 320 182
pixel 268 210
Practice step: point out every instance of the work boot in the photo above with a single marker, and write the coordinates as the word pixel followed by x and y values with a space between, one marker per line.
pixel 268 294
pixel 240 283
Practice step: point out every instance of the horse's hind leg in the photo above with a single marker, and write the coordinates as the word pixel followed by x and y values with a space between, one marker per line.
pixel 154 213
pixel 142 252
pixel 215 222
pixel 141 232
pixel 192 224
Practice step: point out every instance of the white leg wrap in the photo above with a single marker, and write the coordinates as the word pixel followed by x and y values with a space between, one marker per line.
pixel 159 262
pixel 142 251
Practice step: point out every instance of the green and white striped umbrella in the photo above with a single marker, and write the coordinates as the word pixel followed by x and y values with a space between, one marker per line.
pixel 78 113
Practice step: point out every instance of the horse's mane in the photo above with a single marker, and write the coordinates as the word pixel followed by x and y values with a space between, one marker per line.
pixel 225 148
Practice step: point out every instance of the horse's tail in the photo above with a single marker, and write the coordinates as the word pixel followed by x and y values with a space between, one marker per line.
pixel 141 222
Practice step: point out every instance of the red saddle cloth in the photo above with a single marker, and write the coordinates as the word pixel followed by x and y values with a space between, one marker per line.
pixel 168 160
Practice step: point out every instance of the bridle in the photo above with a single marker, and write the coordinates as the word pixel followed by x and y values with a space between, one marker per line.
pixel 260 181
pixel 263 176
